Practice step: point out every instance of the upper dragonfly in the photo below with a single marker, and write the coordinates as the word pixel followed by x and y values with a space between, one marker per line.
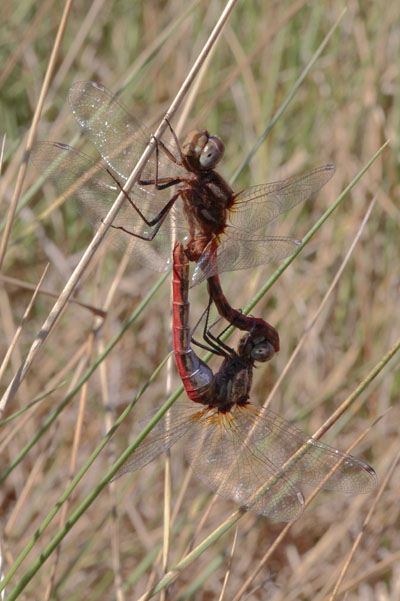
pixel 218 226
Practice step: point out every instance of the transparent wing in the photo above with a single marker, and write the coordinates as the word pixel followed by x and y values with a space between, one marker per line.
pixel 247 456
pixel 233 468
pixel 241 251
pixel 254 458
pixel 119 137
pixel 176 423
pixel 93 190
pixel 74 174
pixel 257 206
pixel 277 439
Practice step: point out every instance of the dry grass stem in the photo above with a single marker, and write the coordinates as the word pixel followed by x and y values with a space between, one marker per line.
pixel 32 131
pixel 18 332
pixel 366 521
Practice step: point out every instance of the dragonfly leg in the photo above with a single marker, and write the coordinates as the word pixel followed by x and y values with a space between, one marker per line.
pixel 210 348
pixel 158 221
pixel 166 182
pixel 163 182
pixel 216 340
pixel 182 162
pixel 215 344
pixel 150 222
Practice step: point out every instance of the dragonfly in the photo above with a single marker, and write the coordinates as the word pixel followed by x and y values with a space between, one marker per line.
pixel 222 230
pixel 246 454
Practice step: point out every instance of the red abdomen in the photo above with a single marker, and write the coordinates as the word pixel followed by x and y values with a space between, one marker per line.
pixel 196 376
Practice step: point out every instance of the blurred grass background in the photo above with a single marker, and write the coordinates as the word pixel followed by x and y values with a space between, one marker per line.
pixel 346 108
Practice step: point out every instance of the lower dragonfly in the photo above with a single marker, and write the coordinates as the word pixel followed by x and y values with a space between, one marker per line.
pixel 248 455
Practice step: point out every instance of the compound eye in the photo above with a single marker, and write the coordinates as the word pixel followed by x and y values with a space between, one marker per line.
pixel 212 153
pixel 262 352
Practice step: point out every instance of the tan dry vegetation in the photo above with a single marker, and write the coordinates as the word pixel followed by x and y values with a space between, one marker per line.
pixel 345 109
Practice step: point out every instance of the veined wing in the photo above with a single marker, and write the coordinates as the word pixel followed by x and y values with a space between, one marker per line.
pixel 257 459
pixel 173 425
pixel 93 190
pixel 119 137
pixel 234 468
pixel 278 440
pixel 257 206
pixel 237 251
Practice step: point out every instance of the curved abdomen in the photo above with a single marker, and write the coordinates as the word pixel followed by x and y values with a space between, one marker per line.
pixel 255 325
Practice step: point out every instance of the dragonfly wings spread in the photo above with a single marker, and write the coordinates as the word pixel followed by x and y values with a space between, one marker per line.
pixel 119 137
pixel 280 441
pixel 257 206
pixel 233 467
pixel 92 187
pixel 237 250
pixel 173 425
pixel 257 458
pixel 253 457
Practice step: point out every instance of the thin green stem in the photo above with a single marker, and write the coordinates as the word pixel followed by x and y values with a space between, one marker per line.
pixel 94 493
pixel 289 97
pixel 53 416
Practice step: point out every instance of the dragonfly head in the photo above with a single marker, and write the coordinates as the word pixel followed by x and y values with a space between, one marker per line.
pixel 256 348
pixel 263 351
pixel 201 150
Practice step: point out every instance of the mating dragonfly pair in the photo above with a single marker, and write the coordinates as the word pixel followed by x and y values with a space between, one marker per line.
pixel 250 456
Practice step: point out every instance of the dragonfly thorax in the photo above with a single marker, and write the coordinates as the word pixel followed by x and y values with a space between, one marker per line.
pixel 232 383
